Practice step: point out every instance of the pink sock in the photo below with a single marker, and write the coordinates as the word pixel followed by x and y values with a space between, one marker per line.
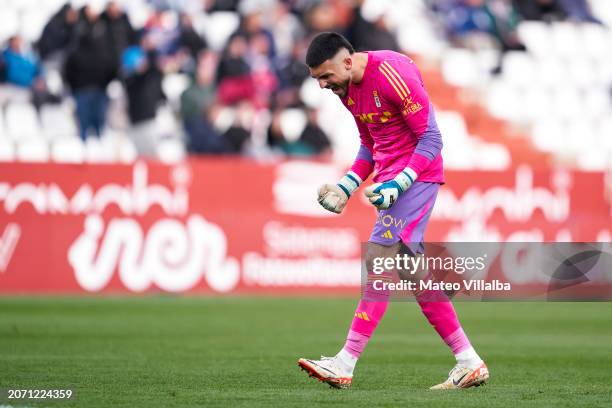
pixel 369 313
pixel 441 315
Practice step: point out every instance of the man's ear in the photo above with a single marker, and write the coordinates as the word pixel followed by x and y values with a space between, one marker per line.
pixel 348 63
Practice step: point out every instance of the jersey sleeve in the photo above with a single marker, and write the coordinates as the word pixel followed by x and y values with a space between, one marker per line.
pixel 404 89
pixel 364 162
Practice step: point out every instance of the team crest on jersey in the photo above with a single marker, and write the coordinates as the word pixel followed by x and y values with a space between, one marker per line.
pixel 350 102
pixel 376 99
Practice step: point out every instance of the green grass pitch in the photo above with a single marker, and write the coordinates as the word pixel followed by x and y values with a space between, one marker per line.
pixel 194 352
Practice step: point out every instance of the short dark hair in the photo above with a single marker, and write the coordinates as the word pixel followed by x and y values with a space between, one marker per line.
pixel 324 46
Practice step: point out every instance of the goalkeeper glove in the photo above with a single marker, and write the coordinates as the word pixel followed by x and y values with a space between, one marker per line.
pixel 384 195
pixel 334 197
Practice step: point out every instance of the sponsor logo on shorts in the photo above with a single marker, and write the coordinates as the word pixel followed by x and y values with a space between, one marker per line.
pixel 387 235
pixel 388 220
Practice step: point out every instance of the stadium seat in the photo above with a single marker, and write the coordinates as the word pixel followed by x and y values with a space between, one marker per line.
pixel 420 38
pixel 166 124
pixel 7 149
pixel 460 67
pixel 604 132
pixel 487 60
pixel 32 24
pixel 545 134
pixel 551 72
pixel 138 12
pixel 26 6
pixel 224 119
pixel 594 160
pixel 217 27
pixel 455 159
pixel 536 36
pixel 58 121
pixel 292 123
pixel 603 11
pixel 452 126
pixel 3 132
pixel 567 102
pixel 536 103
pixel 595 40
pixel 32 150
pixel 565 38
pixel 597 102
pixel 9 23
pixel 68 151
pixel 492 156
pixel 99 151
pixel 503 100
pixel 53 80
pixel 580 72
pixel 173 86
pixel 170 151
pixel 22 121
pixel 603 72
pixel 310 93
pixel 518 68
pixel 127 151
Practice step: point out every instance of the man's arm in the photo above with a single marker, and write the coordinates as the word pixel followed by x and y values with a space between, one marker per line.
pixel 334 197
pixel 410 97
pixel 403 90
pixel 364 162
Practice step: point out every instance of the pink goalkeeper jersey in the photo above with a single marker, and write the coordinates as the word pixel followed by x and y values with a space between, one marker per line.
pixel 396 121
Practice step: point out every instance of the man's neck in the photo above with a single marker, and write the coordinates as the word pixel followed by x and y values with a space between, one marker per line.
pixel 360 61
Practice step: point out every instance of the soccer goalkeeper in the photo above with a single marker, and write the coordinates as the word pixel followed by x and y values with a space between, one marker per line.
pixel 400 144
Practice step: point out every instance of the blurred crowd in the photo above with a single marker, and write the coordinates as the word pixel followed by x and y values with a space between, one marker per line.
pixel 236 90
pixel 492 23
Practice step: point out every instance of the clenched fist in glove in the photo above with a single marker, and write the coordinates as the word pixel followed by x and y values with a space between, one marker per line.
pixel 333 197
pixel 383 195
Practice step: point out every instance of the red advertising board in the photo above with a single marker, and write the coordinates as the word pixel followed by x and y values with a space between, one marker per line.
pixel 221 225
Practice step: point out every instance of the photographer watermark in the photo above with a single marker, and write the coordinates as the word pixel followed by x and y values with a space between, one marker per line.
pixel 489 271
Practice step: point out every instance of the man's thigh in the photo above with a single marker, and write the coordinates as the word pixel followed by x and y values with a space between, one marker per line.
pixel 407 219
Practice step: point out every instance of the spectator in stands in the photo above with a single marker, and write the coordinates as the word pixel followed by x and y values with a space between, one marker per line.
pixel 89 68
pixel 369 30
pixel 481 23
pixel 292 75
pixel 540 10
pixel 252 24
pixel 469 23
pixel 57 34
pixel 313 136
pixel 262 69
pixel 21 66
pixel 221 5
pixel 122 35
pixel 238 134
pixel 310 141
pixel 143 83
pixel 189 38
pixel 321 17
pixel 163 30
pixel 22 75
pixel 198 105
pixel 190 45
pixel 2 70
pixel 286 31
pixel 234 79
pixel 579 10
